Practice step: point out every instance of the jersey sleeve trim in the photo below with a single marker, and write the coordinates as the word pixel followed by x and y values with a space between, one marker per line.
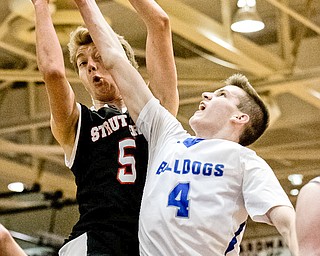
pixel 69 162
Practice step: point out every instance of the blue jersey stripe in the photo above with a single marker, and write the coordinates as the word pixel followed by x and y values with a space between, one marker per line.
pixel 234 239
pixel 191 141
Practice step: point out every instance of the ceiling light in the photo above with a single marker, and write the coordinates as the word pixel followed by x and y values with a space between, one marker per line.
pixel 243 3
pixel 247 19
pixel 16 187
pixel 294 192
pixel 295 179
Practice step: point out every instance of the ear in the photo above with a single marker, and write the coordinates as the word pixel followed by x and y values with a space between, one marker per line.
pixel 241 118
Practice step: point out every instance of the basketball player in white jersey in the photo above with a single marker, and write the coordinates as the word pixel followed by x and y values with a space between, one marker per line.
pixel 200 189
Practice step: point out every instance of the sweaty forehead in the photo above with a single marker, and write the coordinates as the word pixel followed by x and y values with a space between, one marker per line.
pixel 86 49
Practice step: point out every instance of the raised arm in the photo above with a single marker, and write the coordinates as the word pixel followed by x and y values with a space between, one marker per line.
pixel 64 113
pixel 159 53
pixel 283 218
pixel 127 78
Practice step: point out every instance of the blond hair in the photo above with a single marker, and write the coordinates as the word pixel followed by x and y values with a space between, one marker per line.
pixel 80 36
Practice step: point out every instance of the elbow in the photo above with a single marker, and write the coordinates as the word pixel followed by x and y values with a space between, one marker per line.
pixel 52 73
pixel 164 23
pixel 160 23
pixel 164 20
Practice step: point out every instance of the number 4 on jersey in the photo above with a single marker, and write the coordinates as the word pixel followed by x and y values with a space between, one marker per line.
pixel 178 197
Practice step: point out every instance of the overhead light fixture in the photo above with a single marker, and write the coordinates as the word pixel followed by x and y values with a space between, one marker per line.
pixel 294 192
pixel 21 187
pixel 295 179
pixel 16 187
pixel 247 19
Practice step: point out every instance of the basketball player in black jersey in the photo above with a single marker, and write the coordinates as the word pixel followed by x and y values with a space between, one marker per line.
pixel 103 148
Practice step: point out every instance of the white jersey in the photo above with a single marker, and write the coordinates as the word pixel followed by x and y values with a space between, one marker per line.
pixel 198 193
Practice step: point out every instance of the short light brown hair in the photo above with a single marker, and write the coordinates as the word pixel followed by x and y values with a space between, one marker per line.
pixel 80 36
pixel 252 105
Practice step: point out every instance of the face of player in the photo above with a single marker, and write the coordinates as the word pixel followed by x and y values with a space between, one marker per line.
pixel 95 77
pixel 216 110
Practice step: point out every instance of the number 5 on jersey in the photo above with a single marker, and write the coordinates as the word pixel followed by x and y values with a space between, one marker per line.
pixel 127 162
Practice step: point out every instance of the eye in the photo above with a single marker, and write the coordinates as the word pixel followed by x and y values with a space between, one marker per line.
pixel 81 63
pixel 221 93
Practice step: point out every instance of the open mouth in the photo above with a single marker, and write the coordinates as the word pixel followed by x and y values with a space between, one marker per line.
pixel 202 106
pixel 96 79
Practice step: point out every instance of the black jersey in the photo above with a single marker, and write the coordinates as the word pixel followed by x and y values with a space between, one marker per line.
pixel 109 168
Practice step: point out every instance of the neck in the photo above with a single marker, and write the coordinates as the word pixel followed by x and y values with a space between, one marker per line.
pixel 118 104
pixel 223 134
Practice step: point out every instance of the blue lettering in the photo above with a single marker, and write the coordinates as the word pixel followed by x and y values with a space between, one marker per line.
pixel 176 165
pixel 207 169
pixel 162 167
pixel 219 169
pixel 186 166
pixel 168 168
pixel 196 167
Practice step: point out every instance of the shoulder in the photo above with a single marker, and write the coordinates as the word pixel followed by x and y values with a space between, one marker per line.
pixel 315 180
pixel 310 189
pixel 235 148
pixel 153 112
